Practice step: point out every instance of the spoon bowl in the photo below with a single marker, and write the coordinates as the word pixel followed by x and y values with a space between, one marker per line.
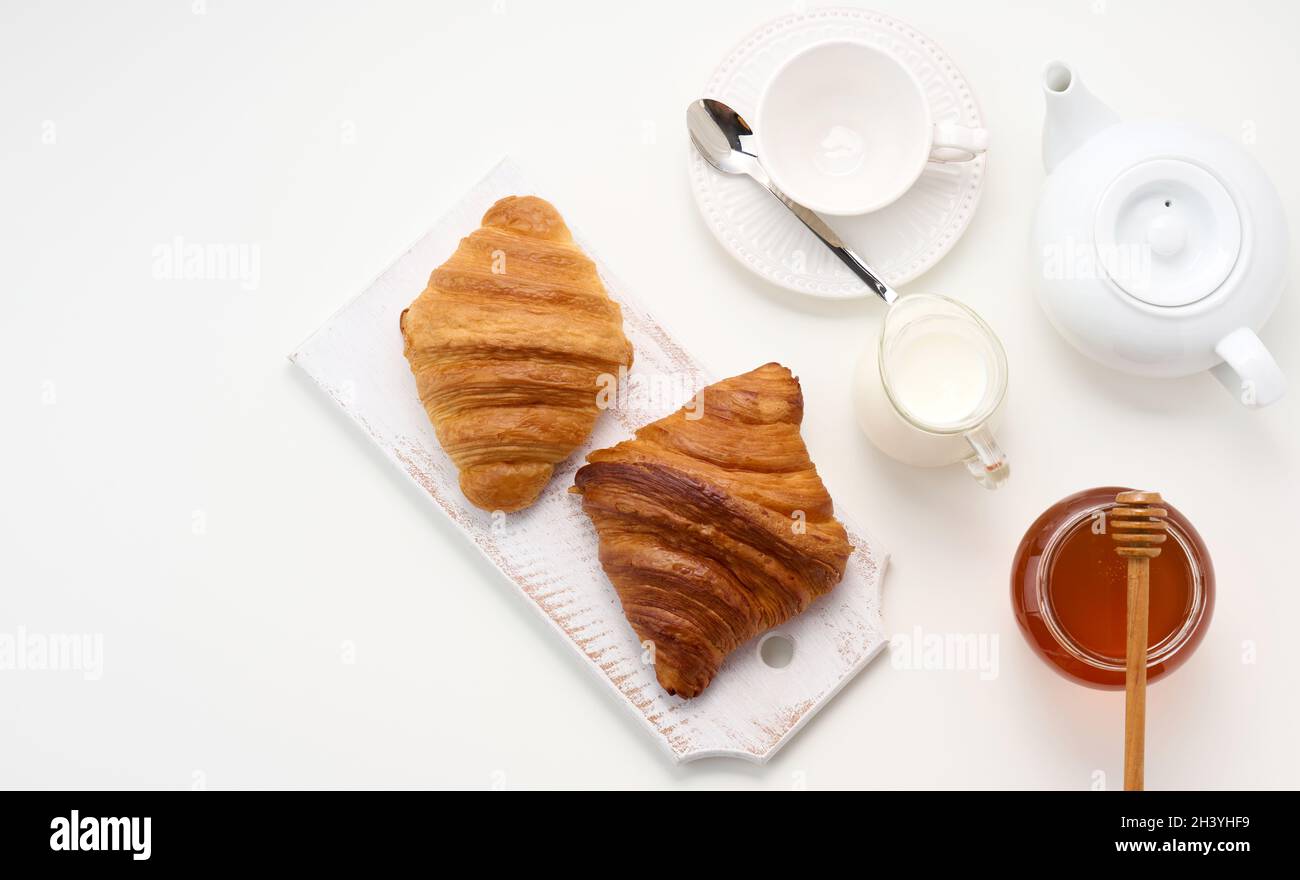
pixel 716 131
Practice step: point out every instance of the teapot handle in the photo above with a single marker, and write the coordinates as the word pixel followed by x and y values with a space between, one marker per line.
pixel 1248 371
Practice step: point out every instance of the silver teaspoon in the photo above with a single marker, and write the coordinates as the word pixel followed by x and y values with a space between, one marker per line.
pixel 716 130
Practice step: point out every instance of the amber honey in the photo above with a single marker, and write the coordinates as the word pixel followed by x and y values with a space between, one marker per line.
pixel 1068 589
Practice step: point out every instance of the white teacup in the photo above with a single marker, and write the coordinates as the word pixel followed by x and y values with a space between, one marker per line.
pixel 845 128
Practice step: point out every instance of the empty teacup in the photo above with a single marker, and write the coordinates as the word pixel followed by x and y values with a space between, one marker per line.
pixel 927 391
pixel 845 128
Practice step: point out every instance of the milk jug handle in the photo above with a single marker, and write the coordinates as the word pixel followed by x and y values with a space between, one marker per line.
pixel 1248 371
pixel 988 465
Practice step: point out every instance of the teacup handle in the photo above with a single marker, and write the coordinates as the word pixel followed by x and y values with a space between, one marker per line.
pixel 954 142
pixel 988 465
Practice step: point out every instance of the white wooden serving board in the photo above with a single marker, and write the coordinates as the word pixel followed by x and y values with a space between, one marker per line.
pixel 549 551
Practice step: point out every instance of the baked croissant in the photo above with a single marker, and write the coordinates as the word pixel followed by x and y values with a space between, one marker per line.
pixel 507 343
pixel 713 524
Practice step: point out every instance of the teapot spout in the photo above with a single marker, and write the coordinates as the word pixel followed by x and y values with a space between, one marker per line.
pixel 1073 114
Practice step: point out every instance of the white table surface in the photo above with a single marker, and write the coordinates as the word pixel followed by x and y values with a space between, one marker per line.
pixel 172 484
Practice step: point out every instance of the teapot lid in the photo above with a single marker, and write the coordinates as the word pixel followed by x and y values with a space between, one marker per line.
pixel 1167 232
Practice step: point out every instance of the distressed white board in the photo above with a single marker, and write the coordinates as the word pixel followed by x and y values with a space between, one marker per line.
pixel 549 551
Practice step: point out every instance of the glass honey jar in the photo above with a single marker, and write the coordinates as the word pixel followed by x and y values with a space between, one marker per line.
pixel 1069 592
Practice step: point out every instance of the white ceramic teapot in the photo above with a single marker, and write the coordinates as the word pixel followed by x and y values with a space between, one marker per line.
pixel 1163 247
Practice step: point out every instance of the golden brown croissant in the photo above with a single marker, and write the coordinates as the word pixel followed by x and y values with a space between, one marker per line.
pixel 714 525
pixel 507 343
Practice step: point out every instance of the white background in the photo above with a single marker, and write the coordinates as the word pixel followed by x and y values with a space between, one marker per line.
pixel 331 136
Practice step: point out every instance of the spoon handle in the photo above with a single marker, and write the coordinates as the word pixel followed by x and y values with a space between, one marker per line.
pixel 818 227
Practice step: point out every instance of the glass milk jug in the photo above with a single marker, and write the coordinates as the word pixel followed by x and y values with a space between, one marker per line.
pixel 926 393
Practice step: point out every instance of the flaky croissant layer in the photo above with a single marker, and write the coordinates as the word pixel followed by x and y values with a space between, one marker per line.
pixel 507 344
pixel 716 527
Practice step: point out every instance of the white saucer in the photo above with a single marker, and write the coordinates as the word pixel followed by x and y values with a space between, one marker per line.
pixel 900 241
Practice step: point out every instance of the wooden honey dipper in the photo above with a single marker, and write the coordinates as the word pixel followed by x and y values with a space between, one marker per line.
pixel 1137 523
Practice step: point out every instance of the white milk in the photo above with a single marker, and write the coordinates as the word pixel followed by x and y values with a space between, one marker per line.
pixel 939 377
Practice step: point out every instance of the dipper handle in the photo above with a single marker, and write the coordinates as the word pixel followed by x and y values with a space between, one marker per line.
pixel 1138 526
